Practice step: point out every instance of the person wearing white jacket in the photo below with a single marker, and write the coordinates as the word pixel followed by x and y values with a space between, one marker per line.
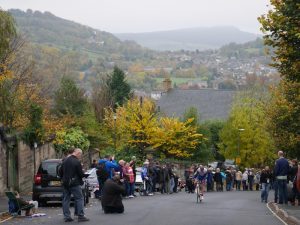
pixel 245 180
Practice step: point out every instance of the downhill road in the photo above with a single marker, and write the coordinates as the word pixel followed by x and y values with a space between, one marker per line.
pixel 218 208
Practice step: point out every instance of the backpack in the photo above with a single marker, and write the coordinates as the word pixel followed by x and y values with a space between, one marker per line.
pixel 101 172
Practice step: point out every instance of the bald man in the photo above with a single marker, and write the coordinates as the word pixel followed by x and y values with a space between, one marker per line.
pixel 280 172
pixel 72 175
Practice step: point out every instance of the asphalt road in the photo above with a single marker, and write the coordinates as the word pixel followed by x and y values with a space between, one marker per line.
pixel 218 208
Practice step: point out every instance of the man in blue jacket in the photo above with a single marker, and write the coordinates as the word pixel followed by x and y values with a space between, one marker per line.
pixel 110 164
pixel 281 171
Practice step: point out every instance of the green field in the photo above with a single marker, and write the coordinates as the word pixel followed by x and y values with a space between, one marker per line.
pixel 178 80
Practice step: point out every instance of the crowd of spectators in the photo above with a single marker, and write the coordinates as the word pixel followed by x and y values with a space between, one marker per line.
pixel 168 178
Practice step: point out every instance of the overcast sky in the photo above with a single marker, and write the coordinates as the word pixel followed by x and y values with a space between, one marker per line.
pixel 119 16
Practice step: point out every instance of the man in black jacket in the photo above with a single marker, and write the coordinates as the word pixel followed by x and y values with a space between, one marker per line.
pixel 111 197
pixel 72 175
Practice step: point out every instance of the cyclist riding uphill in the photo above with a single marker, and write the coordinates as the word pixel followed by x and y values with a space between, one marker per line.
pixel 201 174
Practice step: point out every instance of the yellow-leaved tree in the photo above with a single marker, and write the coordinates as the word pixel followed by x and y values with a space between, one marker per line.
pixel 136 125
pixel 245 136
pixel 174 138
pixel 132 124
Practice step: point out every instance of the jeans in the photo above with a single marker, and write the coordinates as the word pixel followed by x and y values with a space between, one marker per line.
pixel 78 201
pixel 129 188
pixel 245 188
pixel 282 191
pixel 228 186
pixel 154 184
pixel 219 186
pixel 163 188
pixel 265 188
pixel 250 185
pixel 148 186
pixel 101 184
pixel 238 185
pixel 172 184
pixel 275 186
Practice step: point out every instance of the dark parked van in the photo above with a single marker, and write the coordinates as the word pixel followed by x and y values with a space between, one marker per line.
pixel 47 186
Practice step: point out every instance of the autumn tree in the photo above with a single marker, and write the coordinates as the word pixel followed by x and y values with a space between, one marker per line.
pixel 282 32
pixel 132 124
pixel 102 96
pixel 208 149
pixel 245 136
pixel 174 138
pixel 17 87
pixel 135 125
pixel 191 112
pixel 73 137
pixel 7 34
pixel 92 128
pixel 284 117
pixel 34 132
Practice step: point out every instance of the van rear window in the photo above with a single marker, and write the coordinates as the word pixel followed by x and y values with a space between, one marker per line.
pixel 50 168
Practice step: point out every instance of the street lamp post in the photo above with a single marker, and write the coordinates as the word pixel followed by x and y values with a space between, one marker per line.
pixel 115 132
pixel 34 162
pixel 238 160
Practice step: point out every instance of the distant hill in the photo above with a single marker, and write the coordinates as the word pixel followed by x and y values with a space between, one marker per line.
pixel 190 39
pixel 48 29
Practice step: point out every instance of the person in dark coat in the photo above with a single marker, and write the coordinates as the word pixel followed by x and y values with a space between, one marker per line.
pixel 281 171
pixel 72 174
pixel 228 180
pixel 111 197
pixel 164 179
pixel 218 180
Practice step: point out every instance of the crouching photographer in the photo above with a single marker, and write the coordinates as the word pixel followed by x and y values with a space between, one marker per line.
pixel 111 196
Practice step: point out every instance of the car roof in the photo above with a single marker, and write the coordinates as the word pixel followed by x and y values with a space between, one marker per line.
pixel 51 160
pixel 89 171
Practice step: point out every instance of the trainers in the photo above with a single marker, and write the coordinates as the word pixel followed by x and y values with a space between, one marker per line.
pixel 150 194
pixel 131 196
pixel 69 220
pixel 83 219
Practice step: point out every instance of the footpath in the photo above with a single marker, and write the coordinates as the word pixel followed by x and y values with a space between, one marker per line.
pixel 287 213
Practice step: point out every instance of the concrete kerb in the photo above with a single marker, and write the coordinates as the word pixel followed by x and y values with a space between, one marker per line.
pixel 282 215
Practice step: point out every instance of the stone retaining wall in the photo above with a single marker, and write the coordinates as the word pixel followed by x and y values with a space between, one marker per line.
pixel 26 163
pixel 3 168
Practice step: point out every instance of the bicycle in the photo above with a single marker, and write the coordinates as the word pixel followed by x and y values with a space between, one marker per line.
pixel 142 189
pixel 199 192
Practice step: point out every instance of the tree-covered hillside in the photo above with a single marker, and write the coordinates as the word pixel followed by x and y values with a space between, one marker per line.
pixel 46 28
pixel 60 47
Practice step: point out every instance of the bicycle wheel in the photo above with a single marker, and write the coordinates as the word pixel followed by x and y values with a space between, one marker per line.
pixel 198 193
